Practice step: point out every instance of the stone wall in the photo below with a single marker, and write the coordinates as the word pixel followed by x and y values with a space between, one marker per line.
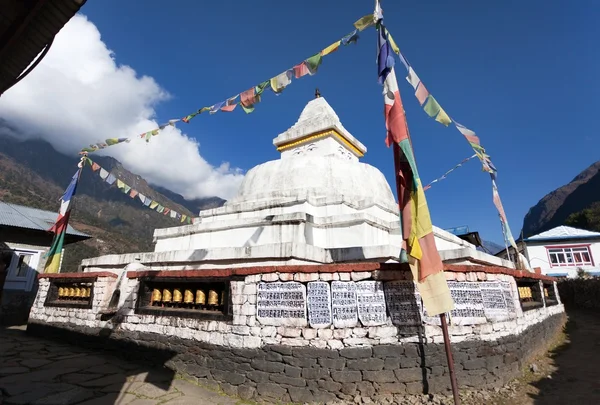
pixel 580 293
pixel 306 374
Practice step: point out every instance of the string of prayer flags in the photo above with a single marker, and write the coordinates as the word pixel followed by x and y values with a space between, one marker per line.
pixel 331 48
pixel 281 81
pixel 301 70
pixel 364 22
pixel 418 245
pixel 230 104
pixel 427 187
pixel 313 63
pixel 132 193
pixel 433 109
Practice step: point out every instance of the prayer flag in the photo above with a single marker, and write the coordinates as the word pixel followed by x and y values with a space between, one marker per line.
pixel 133 193
pixel 418 247
pixel 421 93
pixel 230 104
pixel 160 209
pixel 103 174
pixel 301 70
pixel 153 205
pixel 260 88
pixel 59 229
pixel 111 179
pixel 281 81
pixel 126 189
pixel 395 47
pixel 432 108
pixel 96 166
pixel 166 211
pixel 148 202
pixel 313 63
pixel 183 217
pixel 364 22
pixel 443 118
pixel 412 78
pixel 350 38
pixel 142 197
pixel 173 214
pixel 120 184
pixel 248 98
pixel 331 48
pixel 247 110
pixel 215 108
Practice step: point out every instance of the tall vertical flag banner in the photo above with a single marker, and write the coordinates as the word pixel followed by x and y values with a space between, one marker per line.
pixel 418 246
pixel 60 227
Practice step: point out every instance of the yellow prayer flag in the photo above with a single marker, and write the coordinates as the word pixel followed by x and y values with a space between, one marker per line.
pixel 120 184
pixel 331 48
pixel 153 205
pixel 393 43
pixel 443 118
pixel 364 22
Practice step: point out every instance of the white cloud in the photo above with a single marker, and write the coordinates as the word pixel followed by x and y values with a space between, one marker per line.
pixel 79 95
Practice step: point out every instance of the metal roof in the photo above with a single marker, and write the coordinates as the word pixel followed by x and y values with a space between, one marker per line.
pixel 20 216
pixel 27 29
pixel 564 232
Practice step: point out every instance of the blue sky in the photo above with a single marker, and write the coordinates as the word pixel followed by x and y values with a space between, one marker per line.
pixel 522 74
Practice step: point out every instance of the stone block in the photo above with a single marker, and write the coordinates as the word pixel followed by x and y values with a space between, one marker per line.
pixel 354 341
pixel 330 386
pixel 360 275
pixel 378 332
pixel 381 376
pixel 306 277
pixel 246 392
pixel 269 331
pixel 461 277
pixel 346 376
pixel 286 276
pixel 283 379
pixel 370 364
pixel 366 388
pixel 255 278
pixel 345 276
pixel 248 309
pixel 273 356
pixel 270 277
pixel 474 364
pixel 283 350
pixel 309 333
pixel 258 376
pixel 335 344
pixel 392 388
pixel 333 364
pixel 292 371
pixel 450 275
pixel 267 366
pixel 410 374
pixel 325 334
pixel 359 332
pixel 229 377
pixel 383 351
pixel 415 388
pixel 315 353
pixel 356 352
pixel 315 373
pixel 319 344
pixel 301 395
pixel 342 333
pixel 271 390
pixel 324 397
pixel 240 329
pixel 287 331
pixel 327 276
pixel 294 342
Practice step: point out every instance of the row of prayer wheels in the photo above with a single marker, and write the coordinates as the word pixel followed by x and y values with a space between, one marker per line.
pixel 169 296
pixel 525 292
pixel 74 292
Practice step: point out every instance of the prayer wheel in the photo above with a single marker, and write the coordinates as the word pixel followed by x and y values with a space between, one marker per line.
pixel 177 297
pixel 87 292
pixel 213 297
pixel 156 295
pixel 77 292
pixel 200 297
pixel 166 295
pixel 188 297
pixel 71 292
pixel 61 292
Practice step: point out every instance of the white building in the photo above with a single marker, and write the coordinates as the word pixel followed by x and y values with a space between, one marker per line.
pixel 561 251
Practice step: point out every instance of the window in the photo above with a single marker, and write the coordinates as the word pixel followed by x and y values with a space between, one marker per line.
pixel 570 256
pixel 23 265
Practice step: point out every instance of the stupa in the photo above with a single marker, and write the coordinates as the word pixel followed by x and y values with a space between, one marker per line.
pixel 292 291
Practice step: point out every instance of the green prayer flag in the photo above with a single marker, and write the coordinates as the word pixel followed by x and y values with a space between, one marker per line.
pixel 260 88
pixel 313 62
pixel 248 110
pixel 432 108
pixel 112 141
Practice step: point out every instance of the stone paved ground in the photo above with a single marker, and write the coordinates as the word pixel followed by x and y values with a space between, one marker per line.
pixel 44 372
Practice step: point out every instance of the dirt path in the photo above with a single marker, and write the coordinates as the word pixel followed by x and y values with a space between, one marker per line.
pixel 569 374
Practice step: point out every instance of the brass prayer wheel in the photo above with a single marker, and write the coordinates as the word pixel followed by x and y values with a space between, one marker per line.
pixel 61 291
pixel 200 297
pixel 71 291
pixel 156 295
pixel 177 297
pixel 166 295
pixel 213 297
pixel 188 297
pixel 87 292
pixel 77 292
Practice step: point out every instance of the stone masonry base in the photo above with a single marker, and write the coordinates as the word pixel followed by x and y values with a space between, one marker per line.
pixel 306 374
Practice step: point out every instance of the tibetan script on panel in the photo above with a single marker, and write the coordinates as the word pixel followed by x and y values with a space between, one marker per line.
pixel 403 302
pixel 318 300
pixel 468 303
pixel 371 302
pixel 281 303
pixel 344 304
pixel 494 302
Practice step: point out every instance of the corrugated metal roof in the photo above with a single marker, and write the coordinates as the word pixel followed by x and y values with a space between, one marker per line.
pixel 21 216
pixel 564 232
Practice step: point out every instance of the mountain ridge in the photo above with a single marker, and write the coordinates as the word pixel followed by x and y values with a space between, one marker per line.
pixel 33 173
pixel 556 207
